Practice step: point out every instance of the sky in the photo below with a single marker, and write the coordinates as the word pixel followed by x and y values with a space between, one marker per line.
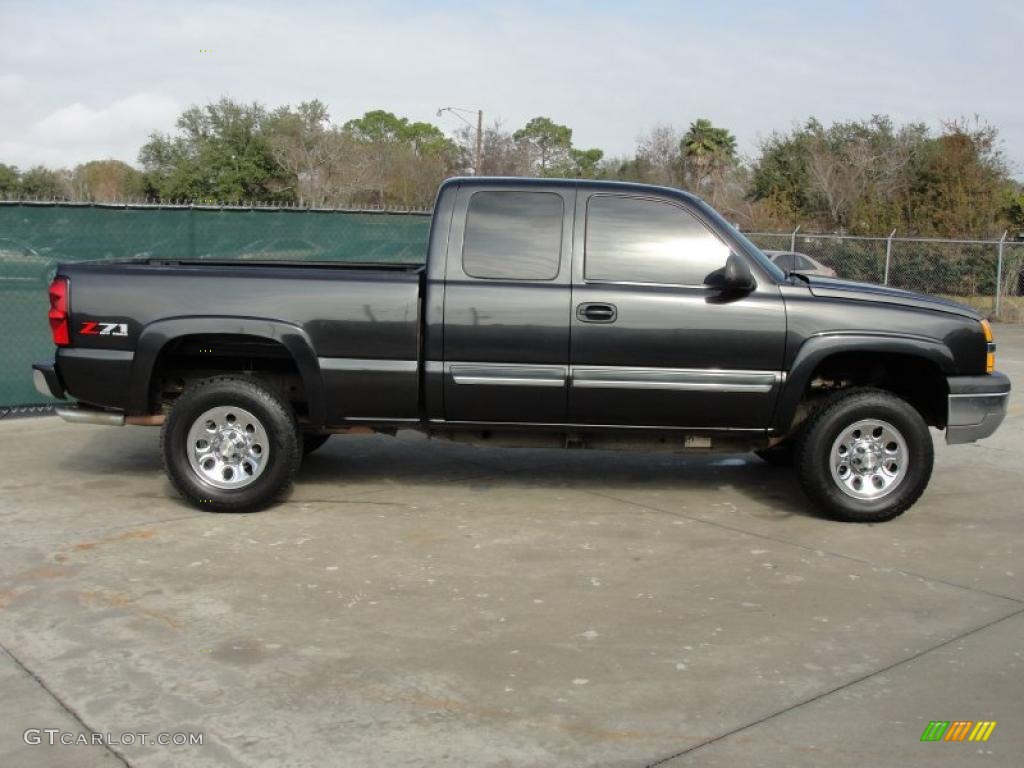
pixel 82 81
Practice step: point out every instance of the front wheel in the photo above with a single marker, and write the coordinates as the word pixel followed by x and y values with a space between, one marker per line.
pixel 230 444
pixel 866 456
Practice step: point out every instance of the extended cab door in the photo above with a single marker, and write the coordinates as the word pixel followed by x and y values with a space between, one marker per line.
pixel 506 303
pixel 652 345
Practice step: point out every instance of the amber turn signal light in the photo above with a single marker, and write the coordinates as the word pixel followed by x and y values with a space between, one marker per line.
pixel 990 354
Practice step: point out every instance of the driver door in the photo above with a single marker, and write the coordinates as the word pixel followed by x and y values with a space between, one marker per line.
pixel 651 344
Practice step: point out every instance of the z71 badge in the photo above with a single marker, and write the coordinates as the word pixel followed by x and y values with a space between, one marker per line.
pixel 94 328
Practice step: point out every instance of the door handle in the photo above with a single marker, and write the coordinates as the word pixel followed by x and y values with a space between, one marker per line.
pixel 596 313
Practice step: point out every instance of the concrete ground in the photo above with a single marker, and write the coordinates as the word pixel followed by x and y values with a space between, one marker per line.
pixel 421 603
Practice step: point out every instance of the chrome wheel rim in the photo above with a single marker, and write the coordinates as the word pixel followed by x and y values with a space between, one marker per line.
pixel 228 447
pixel 869 459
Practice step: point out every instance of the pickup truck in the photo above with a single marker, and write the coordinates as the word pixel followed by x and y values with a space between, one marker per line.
pixel 577 314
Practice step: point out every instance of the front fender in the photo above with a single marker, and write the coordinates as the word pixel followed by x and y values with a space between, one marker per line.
pixel 155 336
pixel 821 346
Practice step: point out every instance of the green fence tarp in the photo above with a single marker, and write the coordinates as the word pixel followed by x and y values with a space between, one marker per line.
pixel 34 238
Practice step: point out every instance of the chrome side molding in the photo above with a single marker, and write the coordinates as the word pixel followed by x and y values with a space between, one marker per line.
pixel 498 374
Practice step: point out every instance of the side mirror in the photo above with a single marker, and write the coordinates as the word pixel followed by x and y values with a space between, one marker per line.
pixel 734 277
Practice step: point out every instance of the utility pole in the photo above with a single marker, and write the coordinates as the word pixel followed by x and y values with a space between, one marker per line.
pixel 478 158
pixel 477 166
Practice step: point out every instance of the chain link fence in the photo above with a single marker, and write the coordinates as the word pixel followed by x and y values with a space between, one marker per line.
pixel 35 237
pixel 986 274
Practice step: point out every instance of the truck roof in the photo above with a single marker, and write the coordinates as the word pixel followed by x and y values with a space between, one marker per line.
pixel 611 186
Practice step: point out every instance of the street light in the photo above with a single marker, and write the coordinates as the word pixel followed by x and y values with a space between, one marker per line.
pixel 479 130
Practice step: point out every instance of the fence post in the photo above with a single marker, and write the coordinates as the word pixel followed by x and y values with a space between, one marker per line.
pixel 888 256
pixel 999 273
pixel 792 238
pixel 192 230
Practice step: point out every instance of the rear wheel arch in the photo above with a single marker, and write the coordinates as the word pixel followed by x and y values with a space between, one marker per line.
pixel 156 339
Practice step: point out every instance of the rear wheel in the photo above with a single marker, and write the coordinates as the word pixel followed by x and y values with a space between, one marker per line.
pixel 230 445
pixel 865 456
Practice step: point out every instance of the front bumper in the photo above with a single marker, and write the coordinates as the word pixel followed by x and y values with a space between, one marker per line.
pixel 46 380
pixel 977 406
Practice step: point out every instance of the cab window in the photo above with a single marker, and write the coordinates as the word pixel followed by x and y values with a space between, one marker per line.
pixel 640 240
pixel 513 235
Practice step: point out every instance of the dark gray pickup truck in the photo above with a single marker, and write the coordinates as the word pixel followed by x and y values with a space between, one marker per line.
pixel 568 313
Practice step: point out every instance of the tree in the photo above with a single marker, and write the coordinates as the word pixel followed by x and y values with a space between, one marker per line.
pixel 221 152
pixel 961 182
pixel 9 178
pixel 548 144
pixel 44 184
pixel 310 150
pixel 708 150
pixel 106 180
pixel 870 176
pixel 586 163
pixel 404 161
pixel 501 155
pixel 659 158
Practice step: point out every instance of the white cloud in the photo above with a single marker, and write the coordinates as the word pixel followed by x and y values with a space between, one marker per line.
pixel 78 132
pixel 123 119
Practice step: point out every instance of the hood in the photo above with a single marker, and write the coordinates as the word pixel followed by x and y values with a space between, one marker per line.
pixel 834 288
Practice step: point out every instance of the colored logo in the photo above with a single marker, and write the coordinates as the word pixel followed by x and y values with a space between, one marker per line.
pixel 958 730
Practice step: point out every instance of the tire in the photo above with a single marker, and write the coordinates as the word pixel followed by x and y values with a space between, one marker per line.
pixel 781 455
pixel 230 444
pixel 312 441
pixel 865 456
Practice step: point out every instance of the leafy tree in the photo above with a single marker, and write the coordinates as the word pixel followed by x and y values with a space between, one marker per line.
pixel 549 145
pixel 220 152
pixel 781 174
pixel 403 161
pixel 1015 210
pixel 586 163
pixel 960 182
pixel 869 177
pixel 43 183
pixel 8 181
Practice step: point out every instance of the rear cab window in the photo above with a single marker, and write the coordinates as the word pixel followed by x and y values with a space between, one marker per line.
pixel 513 235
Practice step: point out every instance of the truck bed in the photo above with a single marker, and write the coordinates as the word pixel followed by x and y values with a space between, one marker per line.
pixel 357 320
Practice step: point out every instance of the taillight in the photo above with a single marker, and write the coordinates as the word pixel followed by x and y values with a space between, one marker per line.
pixel 59 324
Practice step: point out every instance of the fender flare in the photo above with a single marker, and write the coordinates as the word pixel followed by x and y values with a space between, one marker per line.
pixel 816 348
pixel 155 337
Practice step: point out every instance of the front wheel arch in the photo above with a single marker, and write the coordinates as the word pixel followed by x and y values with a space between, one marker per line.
pixel 819 352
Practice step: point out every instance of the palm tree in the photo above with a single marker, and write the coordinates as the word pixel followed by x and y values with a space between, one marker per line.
pixel 706 149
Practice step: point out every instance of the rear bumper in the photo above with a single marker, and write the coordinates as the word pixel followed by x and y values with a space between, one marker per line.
pixel 977 406
pixel 46 380
pixel 99 377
